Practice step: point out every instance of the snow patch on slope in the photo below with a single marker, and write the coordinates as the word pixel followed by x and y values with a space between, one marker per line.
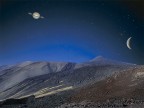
pixel 23 64
pixel 139 74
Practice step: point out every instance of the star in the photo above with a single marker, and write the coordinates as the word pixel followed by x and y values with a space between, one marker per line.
pixel 102 4
pixel 133 20
pixel 92 23
pixel 128 16
pixel 121 34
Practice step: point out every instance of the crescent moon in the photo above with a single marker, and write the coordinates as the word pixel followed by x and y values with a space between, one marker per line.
pixel 128 43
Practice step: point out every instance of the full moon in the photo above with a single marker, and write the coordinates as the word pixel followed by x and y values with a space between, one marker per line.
pixel 36 15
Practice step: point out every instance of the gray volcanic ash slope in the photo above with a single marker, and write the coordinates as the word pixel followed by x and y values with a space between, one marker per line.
pixel 124 89
pixel 127 84
pixel 98 79
pixel 17 73
pixel 41 78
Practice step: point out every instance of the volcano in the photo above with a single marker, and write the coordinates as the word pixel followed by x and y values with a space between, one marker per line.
pixel 63 84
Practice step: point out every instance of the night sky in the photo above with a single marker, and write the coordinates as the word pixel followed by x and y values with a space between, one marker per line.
pixel 72 30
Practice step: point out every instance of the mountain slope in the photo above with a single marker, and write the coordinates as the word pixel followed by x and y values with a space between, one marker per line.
pixel 46 78
pixel 127 84
pixel 17 73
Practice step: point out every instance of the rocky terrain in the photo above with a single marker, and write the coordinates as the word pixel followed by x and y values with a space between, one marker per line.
pixel 97 83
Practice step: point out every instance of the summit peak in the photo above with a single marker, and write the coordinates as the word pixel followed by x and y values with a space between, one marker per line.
pixel 97 58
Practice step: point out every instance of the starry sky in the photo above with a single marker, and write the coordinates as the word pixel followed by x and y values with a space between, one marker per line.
pixel 72 30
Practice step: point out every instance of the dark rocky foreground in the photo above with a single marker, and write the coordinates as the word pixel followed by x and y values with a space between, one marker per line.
pixel 60 101
pixel 112 103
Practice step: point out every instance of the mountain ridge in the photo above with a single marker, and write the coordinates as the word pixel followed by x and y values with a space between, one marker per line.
pixel 74 74
pixel 95 59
